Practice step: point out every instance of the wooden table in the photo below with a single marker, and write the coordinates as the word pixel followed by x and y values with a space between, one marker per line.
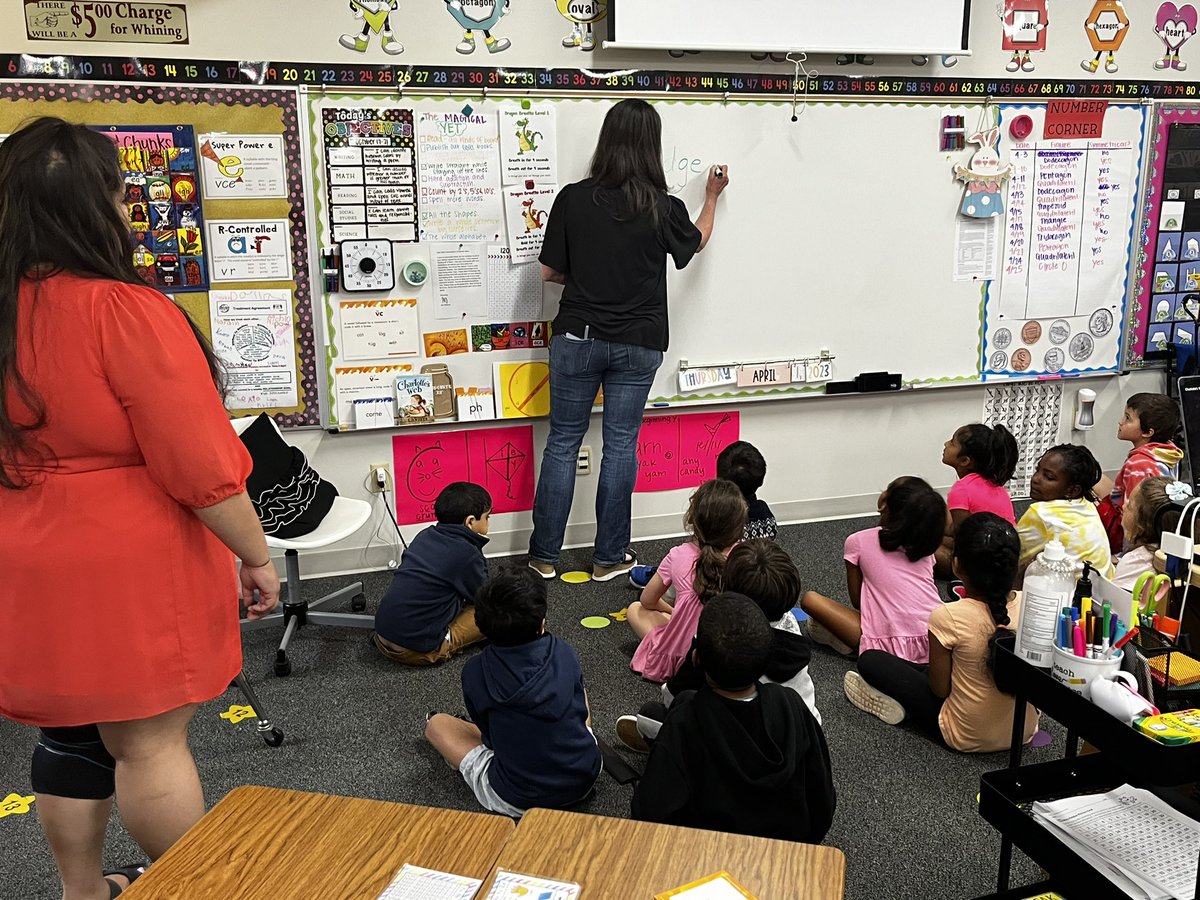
pixel 270 844
pixel 618 859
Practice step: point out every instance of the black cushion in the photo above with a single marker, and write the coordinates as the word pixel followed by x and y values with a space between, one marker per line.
pixel 289 496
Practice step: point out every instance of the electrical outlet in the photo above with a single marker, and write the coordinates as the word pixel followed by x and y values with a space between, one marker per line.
pixel 373 483
pixel 583 463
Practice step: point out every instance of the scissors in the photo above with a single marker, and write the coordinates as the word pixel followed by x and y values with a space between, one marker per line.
pixel 1147 591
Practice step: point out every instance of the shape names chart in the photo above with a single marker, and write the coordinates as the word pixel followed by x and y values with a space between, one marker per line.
pixel 1066 238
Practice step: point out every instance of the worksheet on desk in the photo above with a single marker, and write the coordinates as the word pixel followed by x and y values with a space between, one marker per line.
pixel 415 883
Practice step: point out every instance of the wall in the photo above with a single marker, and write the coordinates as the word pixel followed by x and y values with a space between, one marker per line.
pixel 826 456
pixel 307 31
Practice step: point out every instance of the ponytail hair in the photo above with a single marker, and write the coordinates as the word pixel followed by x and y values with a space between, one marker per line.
pixel 987 550
pixel 716 517
pixel 993 451
pixel 914 518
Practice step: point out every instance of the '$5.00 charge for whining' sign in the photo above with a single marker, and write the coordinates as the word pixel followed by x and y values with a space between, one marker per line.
pixel 82 20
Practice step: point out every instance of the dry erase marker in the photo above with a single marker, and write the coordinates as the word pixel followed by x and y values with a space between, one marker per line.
pixel 718 172
pixel 1079 651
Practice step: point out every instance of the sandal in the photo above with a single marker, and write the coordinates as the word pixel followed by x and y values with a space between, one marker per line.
pixel 130 873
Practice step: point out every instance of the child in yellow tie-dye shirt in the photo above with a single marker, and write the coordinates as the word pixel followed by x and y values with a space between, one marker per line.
pixel 1064 505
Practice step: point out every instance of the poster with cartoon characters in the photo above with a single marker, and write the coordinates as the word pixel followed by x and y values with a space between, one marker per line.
pixel 477 18
pixel 1106 27
pixel 1024 29
pixel 527 208
pixel 375 16
pixel 162 201
pixel 1175 26
pixel 583 16
pixel 528 145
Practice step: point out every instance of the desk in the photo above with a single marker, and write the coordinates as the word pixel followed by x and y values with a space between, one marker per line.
pixel 270 844
pixel 618 859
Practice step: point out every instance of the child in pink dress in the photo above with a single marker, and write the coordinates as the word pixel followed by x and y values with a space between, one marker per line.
pixel 889 574
pixel 984 459
pixel 716 516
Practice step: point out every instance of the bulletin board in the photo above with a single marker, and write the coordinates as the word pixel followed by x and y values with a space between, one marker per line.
pixel 1168 269
pixel 207 110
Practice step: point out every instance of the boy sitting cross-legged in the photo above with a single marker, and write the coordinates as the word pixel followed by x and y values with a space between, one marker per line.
pixel 529 742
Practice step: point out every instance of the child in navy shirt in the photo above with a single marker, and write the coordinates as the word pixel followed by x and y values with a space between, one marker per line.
pixel 529 742
pixel 426 617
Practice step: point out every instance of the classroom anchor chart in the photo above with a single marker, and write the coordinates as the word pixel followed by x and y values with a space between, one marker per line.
pixel 1066 244
pixel 499 459
pixel 681 451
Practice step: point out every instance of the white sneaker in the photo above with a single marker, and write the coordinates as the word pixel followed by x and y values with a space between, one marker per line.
pixel 391 46
pixel 546 570
pixel 573 39
pixel 466 45
pixel 495 45
pixel 870 700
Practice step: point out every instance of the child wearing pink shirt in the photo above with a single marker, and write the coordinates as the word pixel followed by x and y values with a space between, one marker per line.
pixel 889 575
pixel 984 459
pixel 716 516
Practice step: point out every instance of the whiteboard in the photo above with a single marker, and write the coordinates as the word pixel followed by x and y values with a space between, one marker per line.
pixel 815 26
pixel 837 233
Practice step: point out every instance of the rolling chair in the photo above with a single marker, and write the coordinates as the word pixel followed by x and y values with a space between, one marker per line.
pixel 344 518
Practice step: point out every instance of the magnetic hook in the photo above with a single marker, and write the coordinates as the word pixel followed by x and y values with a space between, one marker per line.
pixel 725 98
pixel 799 69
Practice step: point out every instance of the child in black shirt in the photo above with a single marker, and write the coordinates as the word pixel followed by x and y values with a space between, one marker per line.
pixel 738 756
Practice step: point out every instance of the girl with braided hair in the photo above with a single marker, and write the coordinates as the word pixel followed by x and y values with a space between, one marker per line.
pixel 715 517
pixel 1065 505
pixel 955 699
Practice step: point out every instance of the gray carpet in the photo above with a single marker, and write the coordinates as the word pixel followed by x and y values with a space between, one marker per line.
pixel 906 818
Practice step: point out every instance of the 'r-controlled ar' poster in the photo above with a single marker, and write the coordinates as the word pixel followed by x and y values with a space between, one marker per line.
pixel 162 202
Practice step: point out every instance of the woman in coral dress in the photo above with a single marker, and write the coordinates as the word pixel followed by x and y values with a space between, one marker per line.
pixel 122 505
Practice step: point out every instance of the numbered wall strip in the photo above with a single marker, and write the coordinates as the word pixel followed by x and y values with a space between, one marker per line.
pixel 557 81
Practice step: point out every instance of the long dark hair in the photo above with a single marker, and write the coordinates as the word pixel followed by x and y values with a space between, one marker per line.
pixel 987 550
pixel 628 160
pixel 59 185
pixel 914 518
pixel 993 451
pixel 716 516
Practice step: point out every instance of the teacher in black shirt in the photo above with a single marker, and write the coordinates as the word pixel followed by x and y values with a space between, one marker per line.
pixel 607 242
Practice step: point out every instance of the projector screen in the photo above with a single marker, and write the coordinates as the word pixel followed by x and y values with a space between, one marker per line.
pixel 814 26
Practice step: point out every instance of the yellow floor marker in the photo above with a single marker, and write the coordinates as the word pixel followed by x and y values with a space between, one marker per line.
pixel 237 713
pixel 594 622
pixel 576 577
pixel 15 805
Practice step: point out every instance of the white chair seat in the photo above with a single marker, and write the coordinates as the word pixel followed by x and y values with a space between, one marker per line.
pixel 344 518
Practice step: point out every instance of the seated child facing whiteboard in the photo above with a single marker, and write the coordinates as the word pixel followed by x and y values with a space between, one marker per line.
pixel 529 740
pixel 889 577
pixel 1064 505
pixel 1152 508
pixel 955 699
pixel 743 464
pixel 426 615
pixel 984 458
pixel 738 755
pixel 1149 423
pixel 762 571
pixel 716 517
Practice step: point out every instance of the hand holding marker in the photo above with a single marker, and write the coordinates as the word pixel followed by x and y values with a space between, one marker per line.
pixel 718 179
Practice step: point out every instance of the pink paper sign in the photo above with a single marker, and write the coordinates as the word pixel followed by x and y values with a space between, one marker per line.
pixel 499 459
pixel 681 451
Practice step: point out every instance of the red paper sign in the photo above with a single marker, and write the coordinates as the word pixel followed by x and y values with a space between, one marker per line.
pixel 499 459
pixel 1074 119
pixel 681 451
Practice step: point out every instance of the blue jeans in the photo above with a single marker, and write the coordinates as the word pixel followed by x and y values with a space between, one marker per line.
pixel 577 370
